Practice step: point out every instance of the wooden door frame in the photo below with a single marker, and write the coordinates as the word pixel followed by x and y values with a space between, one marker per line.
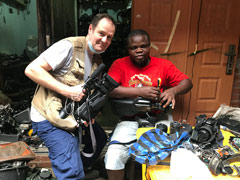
pixel 192 39
pixel 44 23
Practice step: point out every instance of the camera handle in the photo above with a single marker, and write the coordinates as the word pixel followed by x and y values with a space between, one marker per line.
pixel 67 110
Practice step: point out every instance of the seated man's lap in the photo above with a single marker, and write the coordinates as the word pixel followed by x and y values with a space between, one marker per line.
pixel 117 154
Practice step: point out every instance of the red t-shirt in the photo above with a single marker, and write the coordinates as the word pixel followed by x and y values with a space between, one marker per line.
pixel 126 74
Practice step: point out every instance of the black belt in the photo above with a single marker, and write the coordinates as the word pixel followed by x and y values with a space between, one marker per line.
pixel 217 166
pixel 133 118
pixel 228 168
pixel 128 119
pixel 143 121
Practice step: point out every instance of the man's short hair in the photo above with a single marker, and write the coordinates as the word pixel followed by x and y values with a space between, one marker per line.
pixel 137 32
pixel 97 18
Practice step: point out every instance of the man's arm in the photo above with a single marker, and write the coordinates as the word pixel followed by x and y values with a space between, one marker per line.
pixel 148 92
pixel 168 96
pixel 38 71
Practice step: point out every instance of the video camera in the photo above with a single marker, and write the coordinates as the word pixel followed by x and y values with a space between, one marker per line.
pixel 96 93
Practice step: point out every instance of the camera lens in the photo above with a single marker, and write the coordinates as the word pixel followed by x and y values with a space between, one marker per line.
pixel 203 135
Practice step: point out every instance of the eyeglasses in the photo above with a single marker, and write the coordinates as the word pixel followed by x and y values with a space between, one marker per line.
pixel 144 46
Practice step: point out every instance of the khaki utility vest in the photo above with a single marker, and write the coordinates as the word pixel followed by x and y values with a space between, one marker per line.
pixel 48 102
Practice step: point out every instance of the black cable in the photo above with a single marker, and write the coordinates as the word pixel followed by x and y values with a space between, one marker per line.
pixel 146 172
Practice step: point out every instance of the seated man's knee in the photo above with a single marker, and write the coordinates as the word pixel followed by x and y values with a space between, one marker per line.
pixel 116 157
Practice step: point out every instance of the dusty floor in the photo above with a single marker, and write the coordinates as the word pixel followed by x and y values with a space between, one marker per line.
pixel 98 171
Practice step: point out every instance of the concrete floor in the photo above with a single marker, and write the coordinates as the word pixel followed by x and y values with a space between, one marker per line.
pixel 98 171
pixel 133 171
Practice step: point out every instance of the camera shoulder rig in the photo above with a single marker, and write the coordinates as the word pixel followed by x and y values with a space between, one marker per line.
pixel 137 109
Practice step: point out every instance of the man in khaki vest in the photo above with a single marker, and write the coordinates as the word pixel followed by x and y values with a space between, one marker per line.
pixel 60 72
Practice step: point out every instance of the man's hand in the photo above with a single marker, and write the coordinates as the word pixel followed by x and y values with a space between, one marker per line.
pixel 153 93
pixel 149 92
pixel 76 93
pixel 167 97
pixel 87 123
pixel 93 120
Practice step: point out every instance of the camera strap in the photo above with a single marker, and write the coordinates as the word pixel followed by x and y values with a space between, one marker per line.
pixel 93 140
pixel 92 135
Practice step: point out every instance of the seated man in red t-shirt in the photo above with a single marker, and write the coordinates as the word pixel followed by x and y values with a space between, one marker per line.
pixel 138 75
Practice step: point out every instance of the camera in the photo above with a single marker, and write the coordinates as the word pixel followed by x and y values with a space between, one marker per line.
pixel 206 130
pixel 175 127
pixel 180 127
pixel 97 91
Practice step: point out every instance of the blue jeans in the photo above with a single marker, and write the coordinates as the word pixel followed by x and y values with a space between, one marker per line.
pixel 63 150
